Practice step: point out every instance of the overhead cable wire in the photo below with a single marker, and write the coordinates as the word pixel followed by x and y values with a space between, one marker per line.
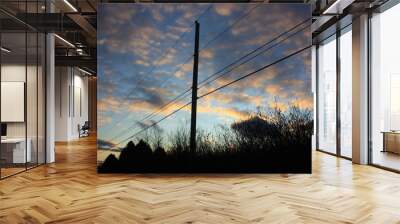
pixel 228 27
pixel 154 124
pixel 255 50
pixel 274 39
pixel 161 56
pixel 251 58
pixel 217 89
pixel 255 72
pixel 150 116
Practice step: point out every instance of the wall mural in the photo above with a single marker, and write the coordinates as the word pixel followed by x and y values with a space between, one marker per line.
pixel 248 108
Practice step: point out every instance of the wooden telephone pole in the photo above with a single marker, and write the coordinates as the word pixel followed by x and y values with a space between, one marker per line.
pixel 194 90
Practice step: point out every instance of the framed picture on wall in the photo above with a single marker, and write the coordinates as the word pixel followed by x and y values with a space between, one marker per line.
pixel 216 87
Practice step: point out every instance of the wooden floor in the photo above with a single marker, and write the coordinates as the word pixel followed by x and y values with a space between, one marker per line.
pixel 70 191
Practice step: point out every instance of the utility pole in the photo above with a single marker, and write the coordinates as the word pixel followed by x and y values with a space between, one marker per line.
pixel 194 90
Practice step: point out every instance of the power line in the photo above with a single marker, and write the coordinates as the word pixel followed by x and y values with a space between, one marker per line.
pixel 150 116
pixel 253 51
pixel 204 12
pixel 161 56
pixel 203 83
pixel 162 106
pixel 217 89
pixel 229 27
pixel 254 72
pixel 260 47
pixel 216 37
pixel 139 83
pixel 155 123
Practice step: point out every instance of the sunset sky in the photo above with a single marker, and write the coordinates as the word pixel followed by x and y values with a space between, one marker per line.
pixel 136 76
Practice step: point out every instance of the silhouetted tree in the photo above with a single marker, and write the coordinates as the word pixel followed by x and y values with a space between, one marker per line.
pixel 159 152
pixel 111 163
pixel 266 141
pixel 127 153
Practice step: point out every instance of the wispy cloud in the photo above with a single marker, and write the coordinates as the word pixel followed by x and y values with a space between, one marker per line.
pixel 225 9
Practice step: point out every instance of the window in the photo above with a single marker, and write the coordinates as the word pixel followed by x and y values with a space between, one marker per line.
pixel 327 95
pixel 22 89
pixel 385 88
pixel 346 92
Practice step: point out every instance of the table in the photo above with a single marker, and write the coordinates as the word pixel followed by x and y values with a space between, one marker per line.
pixel 391 141
pixel 13 150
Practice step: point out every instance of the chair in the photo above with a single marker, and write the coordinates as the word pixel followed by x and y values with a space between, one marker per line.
pixel 84 130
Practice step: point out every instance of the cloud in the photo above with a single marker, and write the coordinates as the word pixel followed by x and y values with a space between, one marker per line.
pixel 109 103
pixel 142 39
pixel 120 13
pixel 224 112
pixel 141 106
pixel 278 90
pixel 261 78
pixel 278 105
pixel 293 82
pixel 207 54
pixel 142 62
pixel 156 13
pixel 104 144
pixel 167 58
pixel 184 69
pixel 234 97
pixel 143 43
pixel 104 120
pixel 256 81
pixel 304 103
pixel 273 89
pixel 101 41
pixel 149 124
pixel 280 19
pixel 224 9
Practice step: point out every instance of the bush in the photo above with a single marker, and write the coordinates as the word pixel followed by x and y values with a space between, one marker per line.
pixel 273 139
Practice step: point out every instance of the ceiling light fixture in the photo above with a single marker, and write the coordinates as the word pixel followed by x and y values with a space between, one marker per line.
pixel 337 7
pixel 5 50
pixel 328 10
pixel 64 40
pixel 70 5
pixel 84 71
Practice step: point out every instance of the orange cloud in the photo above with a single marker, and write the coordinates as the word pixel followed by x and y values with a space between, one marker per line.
pixel 142 62
pixel 207 54
pixel 259 79
pixel 168 58
pixel 304 103
pixel 183 70
pixel 109 103
pixel 279 105
pixel 224 9
pixel 236 97
pixel 146 107
pixel 206 107
pixel 293 82
pixel 273 89
pixel 224 112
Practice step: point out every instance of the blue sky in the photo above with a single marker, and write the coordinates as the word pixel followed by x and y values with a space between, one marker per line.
pixel 138 71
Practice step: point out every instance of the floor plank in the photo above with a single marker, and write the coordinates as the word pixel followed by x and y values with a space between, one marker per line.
pixel 70 191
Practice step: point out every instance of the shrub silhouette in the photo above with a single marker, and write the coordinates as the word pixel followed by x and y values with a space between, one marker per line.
pixel 143 149
pixel 159 152
pixel 271 141
pixel 127 154
pixel 110 163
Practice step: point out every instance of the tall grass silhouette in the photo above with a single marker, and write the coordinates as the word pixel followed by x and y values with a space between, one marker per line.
pixel 267 141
